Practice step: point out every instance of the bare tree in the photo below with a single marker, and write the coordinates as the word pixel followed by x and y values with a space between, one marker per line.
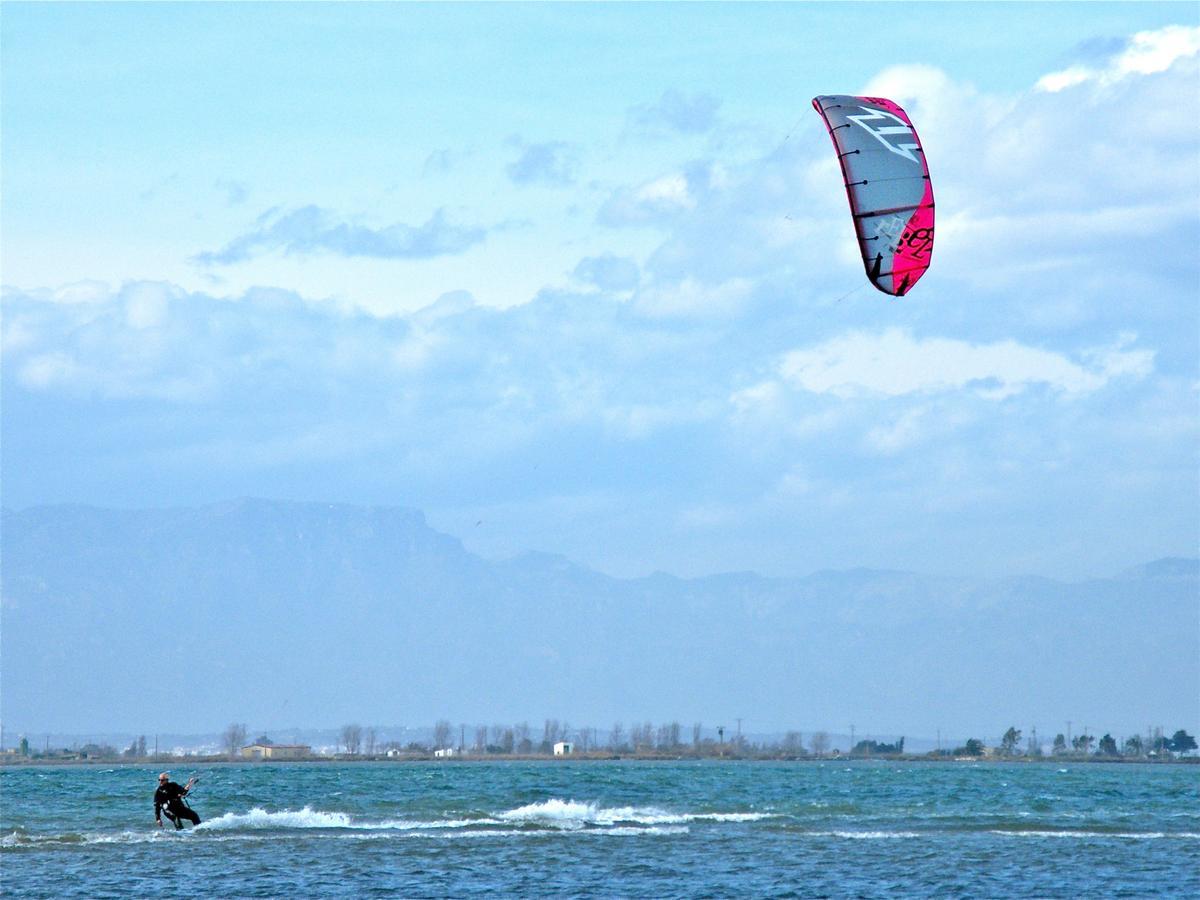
pixel 371 737
pixel 233 738
pixel 587 738
pixel 697 730
pixel 820 743
pixel 441 734
pixel 616 737
pixel 793 742
pixel 647 734
pixel 481 741
pixel 352 738
pixel 502 737
pixel 521 738
pixel 137 748
pixel 549 735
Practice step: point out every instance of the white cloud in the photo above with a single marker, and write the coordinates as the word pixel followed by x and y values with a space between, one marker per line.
pixel 1116 361
pixel 551 163
pixel 691 297
pixel 83 292
pixel 659 199
pixel 894 363
pixel 48 370
pixel 146 303
pixel 1157 51
pixel 1147 53
pixel 667 191
pixel 903 431
pixel 1067 78
pixel 763 399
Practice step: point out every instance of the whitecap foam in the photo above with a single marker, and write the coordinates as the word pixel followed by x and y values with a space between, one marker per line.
pixel 731 817
pixel 16 839
pixel 573 814
pixel 1091 835
pixel 261 818
pixel 309 818
pixel 554 833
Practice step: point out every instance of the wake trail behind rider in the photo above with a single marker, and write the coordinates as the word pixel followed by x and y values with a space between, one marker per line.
pixel 169 799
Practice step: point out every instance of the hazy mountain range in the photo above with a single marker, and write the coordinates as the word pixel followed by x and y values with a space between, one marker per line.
pixel 283 614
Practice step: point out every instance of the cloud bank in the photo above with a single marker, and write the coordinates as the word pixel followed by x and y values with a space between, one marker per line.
pixel 715 370
pixel 311 229
pixel 1146 53
pixel 895 363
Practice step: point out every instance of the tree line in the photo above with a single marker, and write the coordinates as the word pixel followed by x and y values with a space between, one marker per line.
pixel 664 739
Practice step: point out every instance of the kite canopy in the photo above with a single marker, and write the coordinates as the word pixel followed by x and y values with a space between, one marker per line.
pixel 887 183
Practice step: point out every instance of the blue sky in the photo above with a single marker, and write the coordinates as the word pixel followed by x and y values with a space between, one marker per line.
pixel 580 278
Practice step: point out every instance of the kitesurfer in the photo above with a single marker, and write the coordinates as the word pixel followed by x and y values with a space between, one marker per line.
pixel 169 799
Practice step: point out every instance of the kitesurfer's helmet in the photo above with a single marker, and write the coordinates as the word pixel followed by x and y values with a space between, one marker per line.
pixel 164 776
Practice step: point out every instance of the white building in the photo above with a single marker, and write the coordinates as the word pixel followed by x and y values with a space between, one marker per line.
pixel 564 748
pixel 445 752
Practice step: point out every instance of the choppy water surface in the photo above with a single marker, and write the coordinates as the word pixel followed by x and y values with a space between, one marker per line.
pixel 608 829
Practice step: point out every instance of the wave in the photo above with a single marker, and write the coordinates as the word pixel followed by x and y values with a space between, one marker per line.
pixel 613 831
pixel 574 815
pixel 548 817
pixel 20 840
pixel 867 835
pixel 1123 835
pixel 259 818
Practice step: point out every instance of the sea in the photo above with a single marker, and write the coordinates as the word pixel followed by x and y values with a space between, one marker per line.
pixel 619 828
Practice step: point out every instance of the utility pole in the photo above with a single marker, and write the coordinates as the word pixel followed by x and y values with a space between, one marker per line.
pixel 721 736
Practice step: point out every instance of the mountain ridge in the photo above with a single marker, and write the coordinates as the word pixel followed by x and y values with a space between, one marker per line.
pixel 255 609
pixel 1166 566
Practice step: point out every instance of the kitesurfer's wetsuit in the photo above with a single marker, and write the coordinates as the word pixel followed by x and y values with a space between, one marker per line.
pixel 170 796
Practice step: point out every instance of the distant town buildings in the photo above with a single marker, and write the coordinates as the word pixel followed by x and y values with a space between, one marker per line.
pixel 277 751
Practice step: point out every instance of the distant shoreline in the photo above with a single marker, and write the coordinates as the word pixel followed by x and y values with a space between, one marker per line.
pixel 589 757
